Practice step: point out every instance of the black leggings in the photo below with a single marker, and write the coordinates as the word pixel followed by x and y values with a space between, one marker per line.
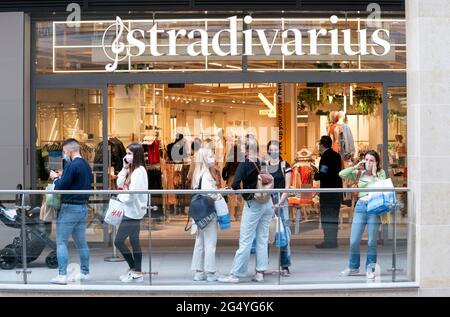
pixel 130 228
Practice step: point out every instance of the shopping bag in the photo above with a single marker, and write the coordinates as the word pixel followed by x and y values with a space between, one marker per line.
pixel 280 233
pixel 381 202
pixel 223 216
pixel 47 214
pixel 52 200
pixel 115 212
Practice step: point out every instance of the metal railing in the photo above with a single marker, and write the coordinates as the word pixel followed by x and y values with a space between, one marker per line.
pixel 22 207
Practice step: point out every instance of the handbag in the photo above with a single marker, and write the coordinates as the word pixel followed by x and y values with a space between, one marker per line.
pixel 202 209
pixel 381 203
pixel 115 212
pixel 52 200
pixel 265 181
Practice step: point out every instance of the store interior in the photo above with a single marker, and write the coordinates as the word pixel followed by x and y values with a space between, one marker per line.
pixel 157 115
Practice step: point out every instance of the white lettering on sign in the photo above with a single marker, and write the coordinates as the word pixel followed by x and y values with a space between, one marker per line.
pixel 137 42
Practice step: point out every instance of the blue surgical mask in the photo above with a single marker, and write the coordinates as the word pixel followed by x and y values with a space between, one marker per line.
pixel 66 158
pixel 274 155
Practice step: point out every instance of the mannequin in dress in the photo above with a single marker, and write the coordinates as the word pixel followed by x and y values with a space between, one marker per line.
pixel 333 131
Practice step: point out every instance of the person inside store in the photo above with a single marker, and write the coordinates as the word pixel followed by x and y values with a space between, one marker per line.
pixel 281 173
pixel 133 176
pixel 71 221
pixel 234 156
pixel 329 167
pixel 255 221
pixel 365 174
pixel 204 255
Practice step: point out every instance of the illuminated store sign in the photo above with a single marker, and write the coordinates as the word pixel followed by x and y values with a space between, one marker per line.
pixel 152 41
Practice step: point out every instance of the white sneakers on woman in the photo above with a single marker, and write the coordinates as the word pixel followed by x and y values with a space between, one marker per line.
pixel 132 277
pixel 202 276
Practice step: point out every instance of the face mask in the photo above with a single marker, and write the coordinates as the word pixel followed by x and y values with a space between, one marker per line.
pixel 211 162
pixel 274 155
pixel 66 158
pixel 129 158
pixel 368 166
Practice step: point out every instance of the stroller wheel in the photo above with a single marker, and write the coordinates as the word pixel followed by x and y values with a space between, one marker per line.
pixel 8 259
pixel 51 260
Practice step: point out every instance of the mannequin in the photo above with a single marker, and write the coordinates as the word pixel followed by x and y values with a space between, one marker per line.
pixel 345 137
pixel 333 130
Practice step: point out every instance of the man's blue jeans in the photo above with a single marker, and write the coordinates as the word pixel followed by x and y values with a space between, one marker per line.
pixel 285 252
pixel 71 221
pixel 361 218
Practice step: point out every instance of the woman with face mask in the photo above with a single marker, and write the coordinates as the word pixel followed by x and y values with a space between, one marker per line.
pixel 281 173
pixel 133 176
pixel 365 174
pixel 204 256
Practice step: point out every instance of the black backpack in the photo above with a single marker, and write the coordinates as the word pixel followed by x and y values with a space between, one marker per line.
pixel 201 209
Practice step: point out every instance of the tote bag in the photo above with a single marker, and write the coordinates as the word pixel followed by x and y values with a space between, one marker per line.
pixel 52 200
pixel 223 216
pixel 115 212
pixel 381 202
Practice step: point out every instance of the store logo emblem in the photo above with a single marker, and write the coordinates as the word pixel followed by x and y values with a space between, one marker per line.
pixel 125 41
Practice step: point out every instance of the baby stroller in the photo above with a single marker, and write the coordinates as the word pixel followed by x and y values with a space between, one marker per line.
pixel 37 235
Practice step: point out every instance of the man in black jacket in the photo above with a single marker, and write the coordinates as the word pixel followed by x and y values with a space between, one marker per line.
pixel 329 167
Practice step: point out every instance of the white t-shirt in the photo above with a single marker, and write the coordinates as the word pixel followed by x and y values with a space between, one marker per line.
pixel 135 204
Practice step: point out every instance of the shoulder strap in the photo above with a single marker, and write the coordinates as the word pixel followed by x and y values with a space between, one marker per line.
pixel 283 167
pixel 200 183
pixel 256 167
pixel 358 177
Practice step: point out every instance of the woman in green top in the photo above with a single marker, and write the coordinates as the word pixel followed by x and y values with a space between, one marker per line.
pixel 366 173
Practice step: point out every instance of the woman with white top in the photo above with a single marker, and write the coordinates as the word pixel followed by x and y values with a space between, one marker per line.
pixel 204 256
pixel 133 176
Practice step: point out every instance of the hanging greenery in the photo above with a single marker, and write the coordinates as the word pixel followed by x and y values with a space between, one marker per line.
pixel 307 98
pixel 130 86
pixel 366 100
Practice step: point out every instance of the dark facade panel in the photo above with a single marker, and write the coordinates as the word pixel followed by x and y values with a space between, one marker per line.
pixel 51 6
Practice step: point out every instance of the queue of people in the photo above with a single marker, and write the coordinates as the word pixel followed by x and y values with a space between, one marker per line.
pixel 256 215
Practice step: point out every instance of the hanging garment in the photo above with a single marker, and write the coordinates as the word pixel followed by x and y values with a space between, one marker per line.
pixel 346 142
pixel 153 152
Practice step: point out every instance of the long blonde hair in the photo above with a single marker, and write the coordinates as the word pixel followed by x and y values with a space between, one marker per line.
pixel 201 165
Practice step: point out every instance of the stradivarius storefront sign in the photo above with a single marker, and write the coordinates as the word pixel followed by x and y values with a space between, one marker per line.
pixel 134 42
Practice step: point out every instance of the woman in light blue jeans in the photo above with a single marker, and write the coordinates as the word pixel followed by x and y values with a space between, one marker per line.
pixel 365 174
pixel 255 221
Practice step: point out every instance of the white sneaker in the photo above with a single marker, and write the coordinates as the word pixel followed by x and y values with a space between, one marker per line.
pixel 133 277
pixel 125 275
pixel 229 279
pixel 349 272
pixel 199 276
pixel 259 277
pixel 212 277
pixel 60 279
pixel 79 277
pixel 370 275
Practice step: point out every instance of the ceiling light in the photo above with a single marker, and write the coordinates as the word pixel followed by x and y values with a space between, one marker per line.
pixel 266 102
